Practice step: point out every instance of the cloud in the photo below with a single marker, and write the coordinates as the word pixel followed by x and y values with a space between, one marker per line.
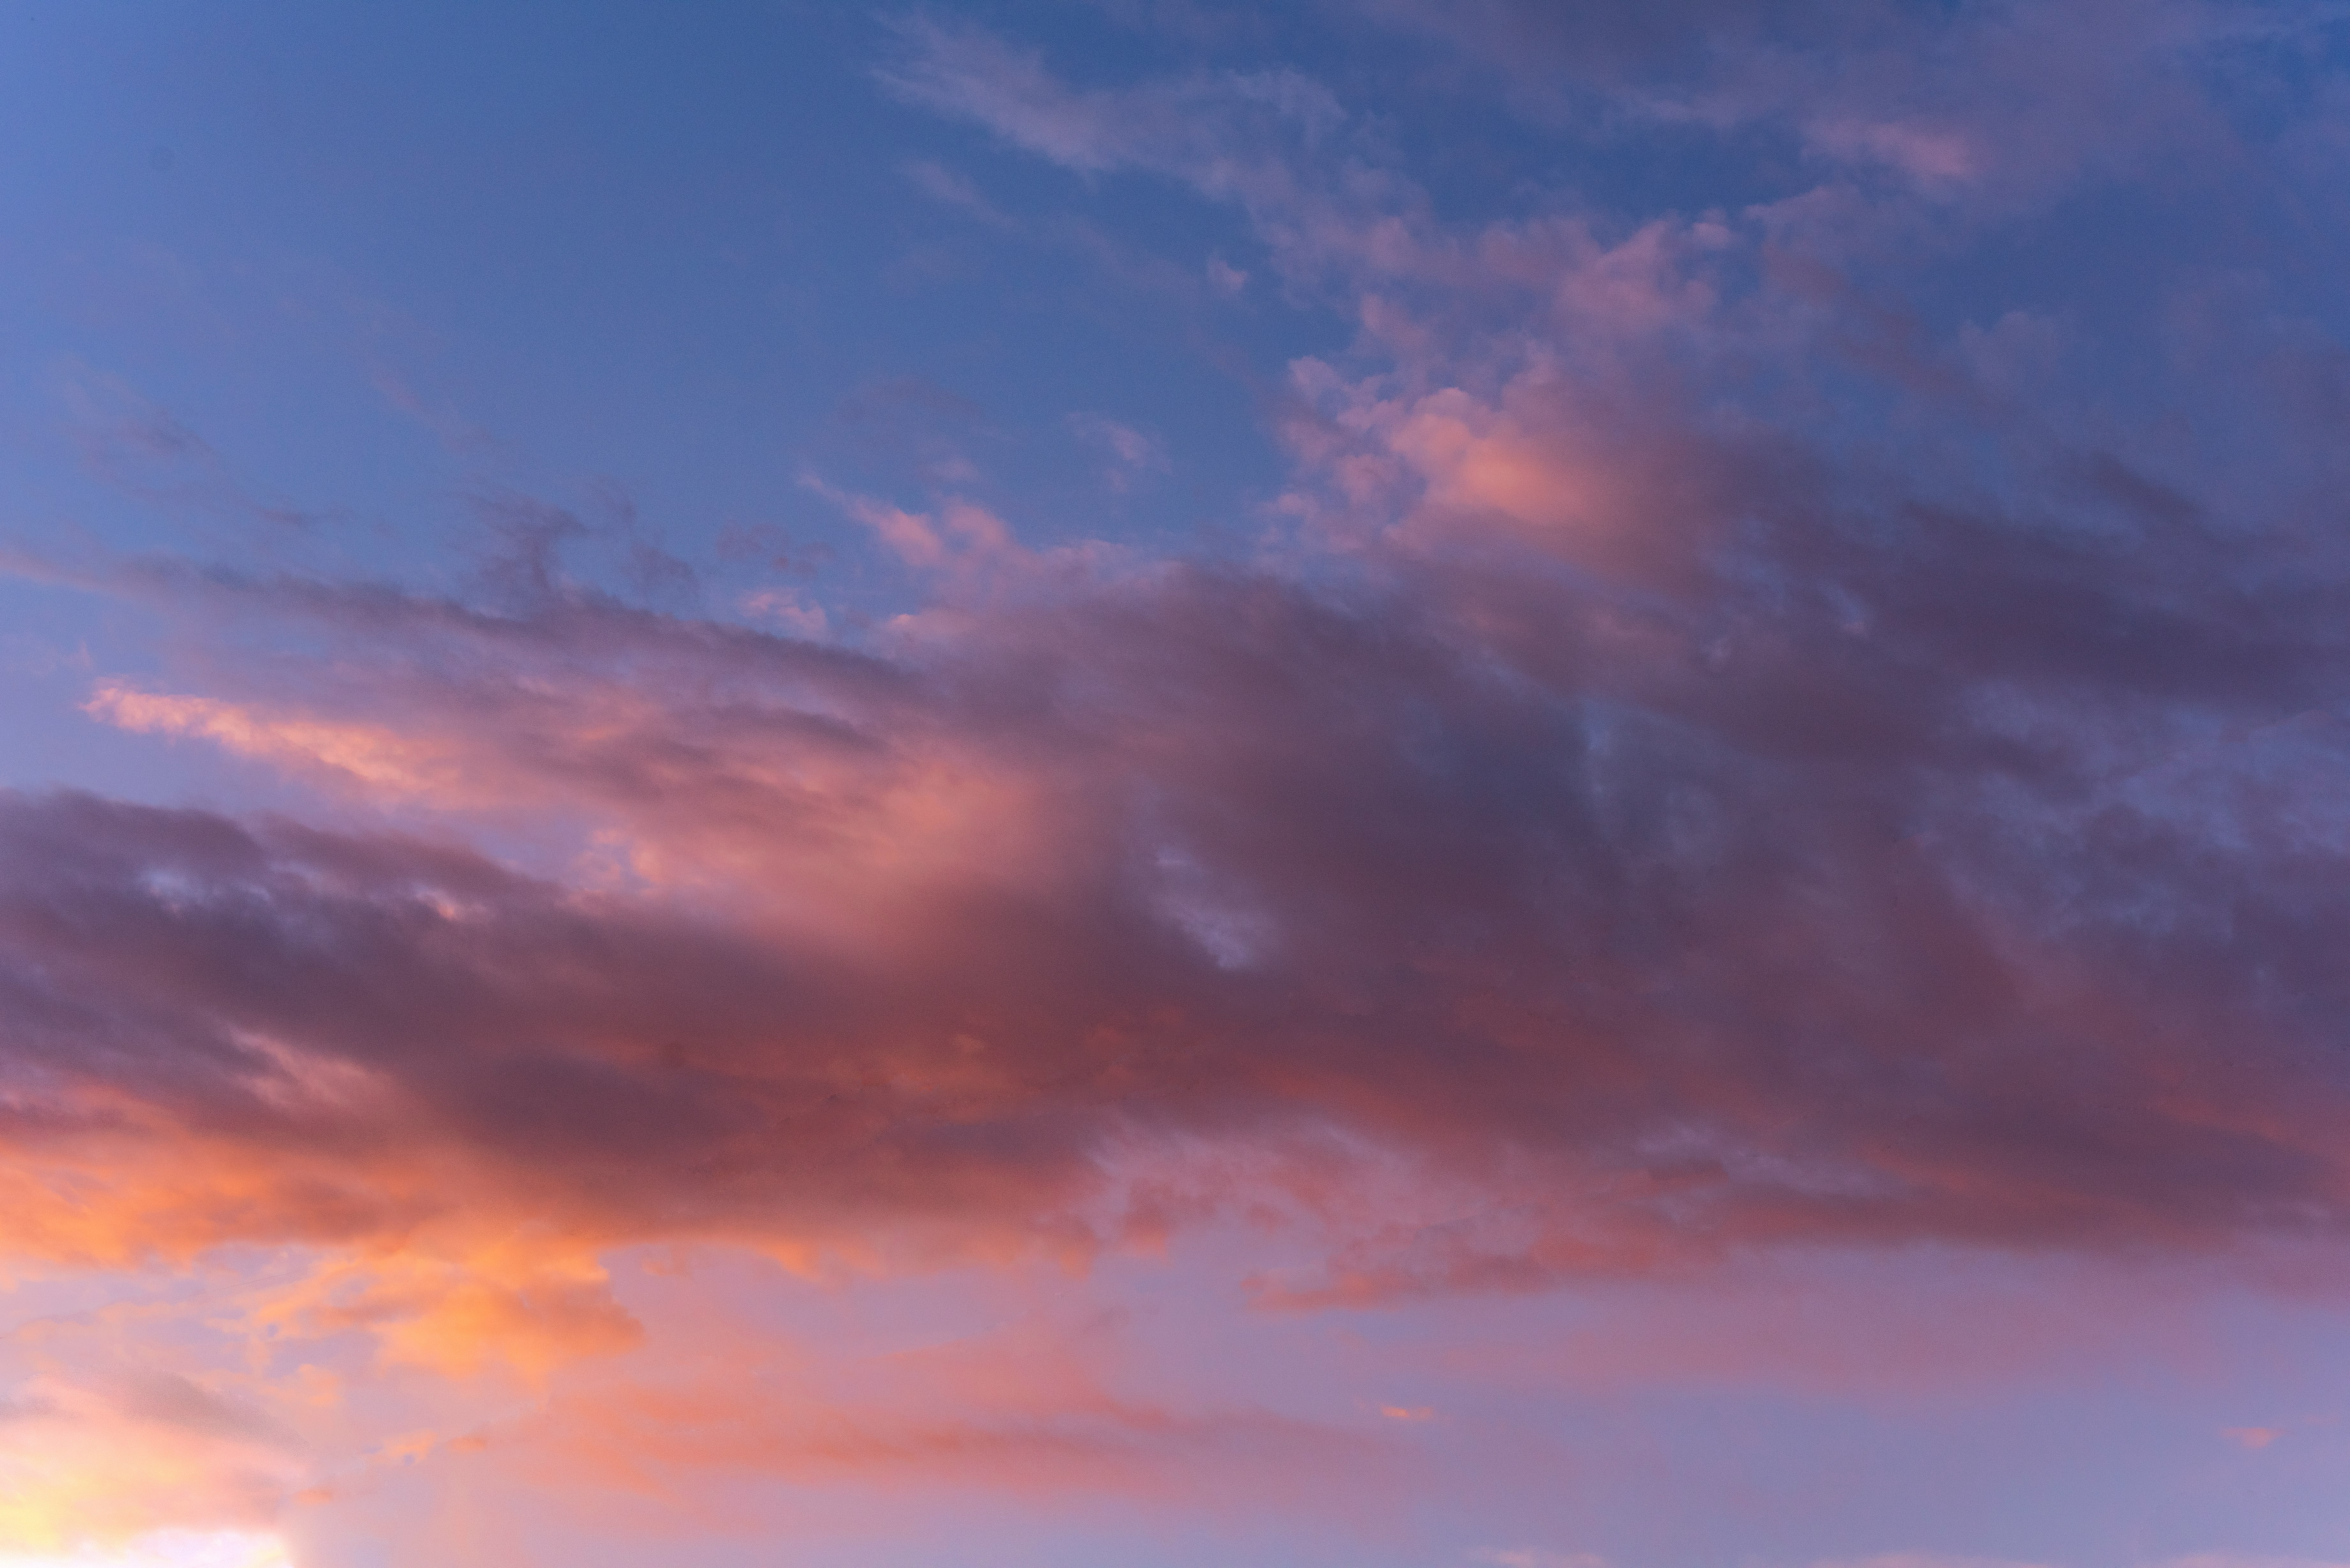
pixel 136 446
pixel 1643 931
pixel 1258 138
pixel 790 609
pixel 1101 1445
pixel 90 1470
pixel 1529 1557
pixel 379 757
pixel 1169 126
pixel 1655 809
pixel 1715 760
pixel 943 185
pixel 169 1548
pixel 1999 108
pixel 1132 454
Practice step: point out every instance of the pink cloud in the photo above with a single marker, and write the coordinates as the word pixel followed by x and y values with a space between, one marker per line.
pixel 1634 825
pixel 1231 879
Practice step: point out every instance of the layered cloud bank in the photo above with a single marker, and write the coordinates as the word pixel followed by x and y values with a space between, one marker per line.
pixel 1673 913
pixel 1726 745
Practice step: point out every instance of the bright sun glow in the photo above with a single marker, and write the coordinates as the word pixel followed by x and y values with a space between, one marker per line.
pixel 168 1549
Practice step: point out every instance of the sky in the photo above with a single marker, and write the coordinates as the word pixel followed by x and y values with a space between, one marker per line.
pixel 1366 783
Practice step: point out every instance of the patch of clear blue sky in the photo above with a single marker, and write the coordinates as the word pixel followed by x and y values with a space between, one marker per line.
pixel 675 248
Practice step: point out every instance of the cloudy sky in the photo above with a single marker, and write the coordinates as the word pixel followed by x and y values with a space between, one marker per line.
pixel 1370 783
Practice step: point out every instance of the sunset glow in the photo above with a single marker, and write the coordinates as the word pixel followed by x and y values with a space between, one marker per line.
pixel 1361 784
pixel 168 1549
